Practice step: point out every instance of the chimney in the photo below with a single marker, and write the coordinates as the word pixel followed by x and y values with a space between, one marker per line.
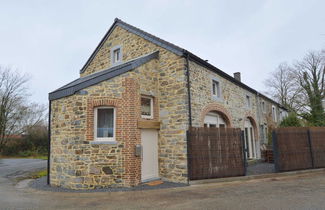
pixel 237 76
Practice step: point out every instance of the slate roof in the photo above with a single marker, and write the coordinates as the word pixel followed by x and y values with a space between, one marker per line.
pixel 92 79
pixel 173 48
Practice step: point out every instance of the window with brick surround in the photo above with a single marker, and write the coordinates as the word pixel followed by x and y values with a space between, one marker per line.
pixel 146 107
pixel 104 124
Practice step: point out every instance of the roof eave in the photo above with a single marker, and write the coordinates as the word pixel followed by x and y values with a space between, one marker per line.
pixel 204 63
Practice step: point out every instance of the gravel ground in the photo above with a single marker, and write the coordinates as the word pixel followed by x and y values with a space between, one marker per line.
pixel 260 168
pixel 40 184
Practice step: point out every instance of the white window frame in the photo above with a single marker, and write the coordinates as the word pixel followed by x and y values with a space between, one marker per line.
pixel 263 106
pixel 249 101
pixel 217 90
pixel 274 114
pixel 116 55
pixel 151 108
pixel 95 124
pixel 218 96
pixel 113 50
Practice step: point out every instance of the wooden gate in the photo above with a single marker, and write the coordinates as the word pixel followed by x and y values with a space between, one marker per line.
pixel 215 153
pixel 299 148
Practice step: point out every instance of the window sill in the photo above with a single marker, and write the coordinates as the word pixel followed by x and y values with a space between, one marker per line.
pixel 216 98
pixel 103 142
pixel 116 63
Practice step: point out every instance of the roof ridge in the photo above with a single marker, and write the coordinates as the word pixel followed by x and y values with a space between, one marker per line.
pixel 149 34
pixel 169 46
pixel 150 37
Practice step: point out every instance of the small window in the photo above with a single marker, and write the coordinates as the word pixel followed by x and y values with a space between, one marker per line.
pixel 216 88
pixel 248 101
pixel 263 106
pixel 266 134
pixel 274 116
pixel 104 124
pixel 116 55
pixel 147 107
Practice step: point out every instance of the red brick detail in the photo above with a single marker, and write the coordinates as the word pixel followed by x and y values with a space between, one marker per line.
pixel 220 110
pixel 131 135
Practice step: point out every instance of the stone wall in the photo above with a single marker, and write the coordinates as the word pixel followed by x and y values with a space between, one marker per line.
pixel 77 163
pixel 232 102
pixel 172 97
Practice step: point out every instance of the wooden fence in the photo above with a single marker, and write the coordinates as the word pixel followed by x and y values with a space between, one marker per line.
pixel 215 153
pixel 299 148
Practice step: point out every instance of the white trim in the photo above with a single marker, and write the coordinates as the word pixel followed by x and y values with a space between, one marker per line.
pixel 151 108
pixel 95 124
pixel 274 114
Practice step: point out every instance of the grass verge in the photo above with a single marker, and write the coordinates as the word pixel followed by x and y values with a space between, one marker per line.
pixel 42 157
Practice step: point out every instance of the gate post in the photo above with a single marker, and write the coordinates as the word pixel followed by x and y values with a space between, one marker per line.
pixel 275 151
pixel 310 149
pixel 244 151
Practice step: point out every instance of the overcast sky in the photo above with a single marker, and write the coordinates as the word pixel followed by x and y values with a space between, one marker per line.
pixel 51 40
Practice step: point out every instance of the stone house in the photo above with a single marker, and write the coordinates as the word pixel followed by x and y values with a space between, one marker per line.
pixel 124 121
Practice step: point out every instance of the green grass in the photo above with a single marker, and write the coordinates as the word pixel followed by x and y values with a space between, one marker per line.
pixel 38 174
pixel 43 157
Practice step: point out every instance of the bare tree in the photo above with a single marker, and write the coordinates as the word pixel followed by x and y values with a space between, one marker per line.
pixel 14 113
pixel 311 74
pixel 283 87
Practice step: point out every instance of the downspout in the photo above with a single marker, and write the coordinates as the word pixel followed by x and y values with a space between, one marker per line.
pixel 188 91
pixel 189 114
pixel 258 130
pixel 49 145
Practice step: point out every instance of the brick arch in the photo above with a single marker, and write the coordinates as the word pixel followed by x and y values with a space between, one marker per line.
pixel 214 107
pixel 253 121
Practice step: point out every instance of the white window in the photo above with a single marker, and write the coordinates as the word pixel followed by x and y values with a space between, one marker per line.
pixel 274 116
pixel 216 88
pixel 147 107
pixel 214 120
pixel 263 106
pixel 104 123
pixel 248 101
pixel 116 55
pixel 283 114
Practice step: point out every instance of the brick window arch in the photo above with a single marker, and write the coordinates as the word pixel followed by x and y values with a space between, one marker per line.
pixel 214 107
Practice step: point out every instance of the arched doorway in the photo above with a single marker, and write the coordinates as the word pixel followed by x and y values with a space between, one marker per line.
pixel 250 138
pixel 214 120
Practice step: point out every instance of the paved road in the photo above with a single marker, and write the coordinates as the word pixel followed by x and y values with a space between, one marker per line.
pixel 16 167
pixel 294 192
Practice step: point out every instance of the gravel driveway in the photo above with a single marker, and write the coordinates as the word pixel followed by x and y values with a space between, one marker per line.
pixel 291 192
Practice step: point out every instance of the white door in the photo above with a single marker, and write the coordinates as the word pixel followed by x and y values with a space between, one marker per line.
pixel 249 139
pixel 149 164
